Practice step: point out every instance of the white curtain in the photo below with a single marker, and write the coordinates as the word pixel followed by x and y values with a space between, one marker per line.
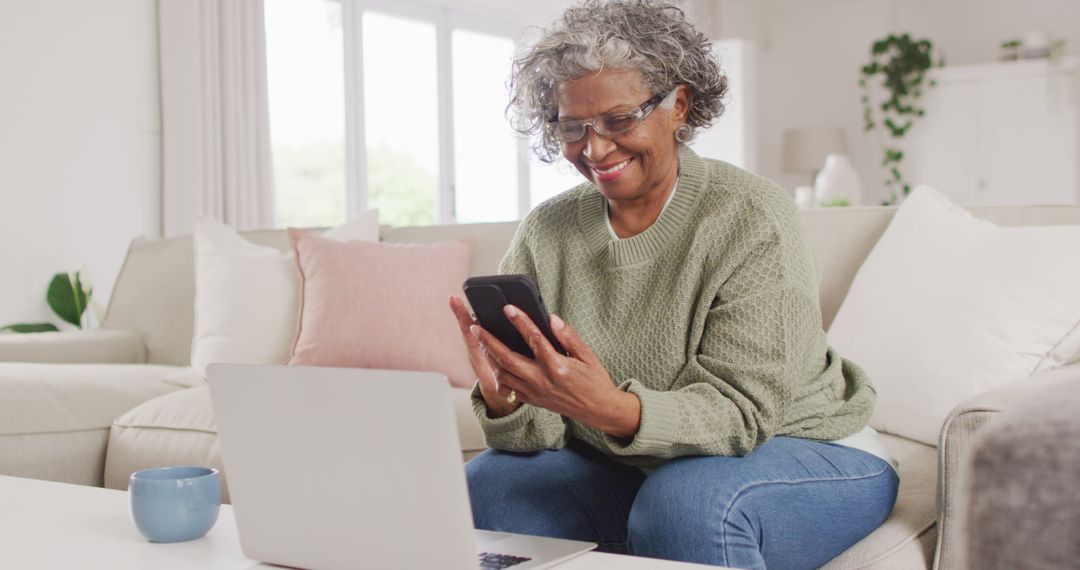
pixel 215 118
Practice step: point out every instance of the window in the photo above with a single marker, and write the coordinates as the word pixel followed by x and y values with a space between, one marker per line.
pixel 304 52
pixel 401 118
pixel 485 148
pixel 399 107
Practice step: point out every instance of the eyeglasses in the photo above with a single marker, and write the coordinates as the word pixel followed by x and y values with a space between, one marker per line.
pixel 605 125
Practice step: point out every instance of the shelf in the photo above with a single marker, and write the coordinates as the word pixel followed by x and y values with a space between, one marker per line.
pixel 1006 70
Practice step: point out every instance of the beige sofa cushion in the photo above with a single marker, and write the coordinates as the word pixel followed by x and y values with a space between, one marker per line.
pixel 154 298
pixel 905 541
pixel 55 418
pixel 179 429
pixel 175 429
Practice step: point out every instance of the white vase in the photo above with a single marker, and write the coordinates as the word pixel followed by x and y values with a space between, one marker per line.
pixel 837 184
pixel 804 197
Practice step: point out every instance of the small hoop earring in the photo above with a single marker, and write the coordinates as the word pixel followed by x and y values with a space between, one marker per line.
pixel 684 133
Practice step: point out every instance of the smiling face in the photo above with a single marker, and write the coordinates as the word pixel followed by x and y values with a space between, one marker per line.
pixel 640 165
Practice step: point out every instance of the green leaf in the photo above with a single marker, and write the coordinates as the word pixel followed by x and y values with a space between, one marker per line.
pixel 80 296
pixel 893 128
pixel 62 298
pixel 29 328
pixel 892 155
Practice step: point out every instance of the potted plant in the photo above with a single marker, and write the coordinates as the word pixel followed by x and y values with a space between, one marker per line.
pixel 68 296
pixel 1010 50
pixel 901 63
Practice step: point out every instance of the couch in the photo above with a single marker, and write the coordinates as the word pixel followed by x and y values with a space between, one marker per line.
pixel 90 407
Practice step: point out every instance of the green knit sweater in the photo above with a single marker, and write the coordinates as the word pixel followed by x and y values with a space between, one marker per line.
pixel 710 316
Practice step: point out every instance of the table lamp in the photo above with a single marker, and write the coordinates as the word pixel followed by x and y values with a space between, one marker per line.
pixel 805 149
pixel 804 152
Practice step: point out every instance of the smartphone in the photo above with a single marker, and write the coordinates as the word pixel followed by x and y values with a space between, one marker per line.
pixel 488 294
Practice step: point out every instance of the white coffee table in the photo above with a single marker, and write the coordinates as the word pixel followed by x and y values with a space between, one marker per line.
pixel 57 525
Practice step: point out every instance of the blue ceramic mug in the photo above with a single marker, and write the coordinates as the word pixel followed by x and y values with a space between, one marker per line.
pixel 174 504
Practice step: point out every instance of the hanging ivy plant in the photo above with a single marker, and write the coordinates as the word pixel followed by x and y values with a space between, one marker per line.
pixel 902 63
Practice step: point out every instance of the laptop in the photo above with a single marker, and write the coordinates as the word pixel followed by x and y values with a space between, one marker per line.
pixel 347 468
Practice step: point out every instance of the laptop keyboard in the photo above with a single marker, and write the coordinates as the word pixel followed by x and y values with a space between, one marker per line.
pixel 492 561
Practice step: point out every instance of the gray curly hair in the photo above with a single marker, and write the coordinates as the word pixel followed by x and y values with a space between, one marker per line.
pixel 649 36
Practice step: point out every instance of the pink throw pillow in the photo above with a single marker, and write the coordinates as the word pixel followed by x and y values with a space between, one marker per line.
pixel 380 305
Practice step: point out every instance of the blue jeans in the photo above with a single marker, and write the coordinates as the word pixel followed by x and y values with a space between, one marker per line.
pixel 791 503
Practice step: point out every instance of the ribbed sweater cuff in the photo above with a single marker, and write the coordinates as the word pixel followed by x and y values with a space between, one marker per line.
pixel 493 426
pixel 659 423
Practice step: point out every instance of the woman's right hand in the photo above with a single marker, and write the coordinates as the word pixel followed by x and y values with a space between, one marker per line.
pixel 494 394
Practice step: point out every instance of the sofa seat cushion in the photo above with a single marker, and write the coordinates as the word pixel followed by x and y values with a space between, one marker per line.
pixel 175 429
pixel 907 538
pixel 179 429
pixel 55 418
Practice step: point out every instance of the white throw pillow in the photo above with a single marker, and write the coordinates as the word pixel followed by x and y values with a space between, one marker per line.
pixel 247 295
pixel 948 306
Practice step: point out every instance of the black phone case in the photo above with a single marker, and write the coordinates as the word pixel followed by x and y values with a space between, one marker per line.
pixel 488 295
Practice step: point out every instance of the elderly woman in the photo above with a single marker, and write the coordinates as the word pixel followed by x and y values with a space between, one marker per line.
pixel 699 414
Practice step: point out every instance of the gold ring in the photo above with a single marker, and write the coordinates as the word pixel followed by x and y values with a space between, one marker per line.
pixel 512 397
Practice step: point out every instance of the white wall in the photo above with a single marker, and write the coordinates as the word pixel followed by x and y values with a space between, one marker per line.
pixel 810 52
pixel 79 143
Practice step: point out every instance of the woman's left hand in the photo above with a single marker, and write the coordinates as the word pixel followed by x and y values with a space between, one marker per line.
pixel 576 386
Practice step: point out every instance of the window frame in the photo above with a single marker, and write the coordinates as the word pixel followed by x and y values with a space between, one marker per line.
pixel 445 20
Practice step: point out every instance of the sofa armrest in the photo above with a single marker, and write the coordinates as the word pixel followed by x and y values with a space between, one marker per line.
pixel 1018 485
pixel 110 346
pixel 955 442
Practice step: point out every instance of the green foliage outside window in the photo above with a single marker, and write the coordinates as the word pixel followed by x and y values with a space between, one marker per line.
pixel 403 191
pixel 310 186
